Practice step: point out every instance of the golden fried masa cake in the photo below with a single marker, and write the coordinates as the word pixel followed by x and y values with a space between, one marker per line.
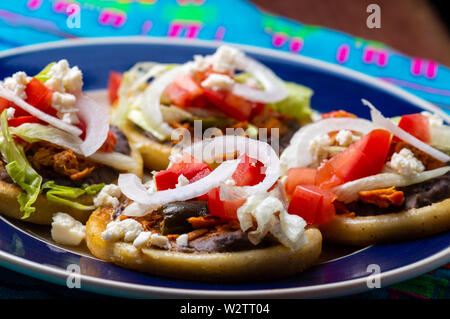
pixel 424 212
pixel 213 223
pixel 217 253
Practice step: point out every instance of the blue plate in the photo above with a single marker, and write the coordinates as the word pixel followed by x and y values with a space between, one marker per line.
pixel 23 249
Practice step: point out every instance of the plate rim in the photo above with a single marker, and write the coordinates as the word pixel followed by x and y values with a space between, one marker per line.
pixel 124 289
pixel 98 285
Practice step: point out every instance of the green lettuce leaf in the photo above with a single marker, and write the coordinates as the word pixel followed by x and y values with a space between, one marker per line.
pixel 33 132
pixel 43 75
pixel 138 118
pixel 19 169
pixel 60 194
pixel 297 103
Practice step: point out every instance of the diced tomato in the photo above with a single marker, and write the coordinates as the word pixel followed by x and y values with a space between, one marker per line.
pixel 313 204
pixel 82 126
pixel 220 208
pixel 40 96
pixel 184 91
pixel 257 108
pixel 17 121
pixel 5 104
pixel 114 81
pixel 109 144
pixel 248 173
pixel 232 105
pixel 299 176
pixel 238 107
pixel 363 158
pixel 339 113
pixel 192 169
pixel 417 125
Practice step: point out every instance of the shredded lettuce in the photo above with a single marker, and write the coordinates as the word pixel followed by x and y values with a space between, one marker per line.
pixel 43 75
pixel 297 103
pixel 33 132
pixel 55 193
pixel 19 169
pixel 138 118
pixel 133 85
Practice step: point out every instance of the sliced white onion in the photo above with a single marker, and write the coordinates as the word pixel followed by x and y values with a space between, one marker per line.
pixel 297 154
pixel 10 96
pixel 348 192
pixel 208 150
pixel 151 106
pixel 132 187
pixel 97 125
pixel 274 88
pixel 116 160
pixel 387 124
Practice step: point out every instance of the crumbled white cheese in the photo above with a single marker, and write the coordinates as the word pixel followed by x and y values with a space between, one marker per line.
pixel 218 82
pixel 230 182
pixel 405 163
pixel 17 84
pixel 346 137
pixel 135 209
pixel 318 148
pixel 226 59
pixel 65 82
pixel 434 119
pixel 142 239
pixel 182 240
pixel 271 216
pixel 10 112
pixel 66 230
pixel 64 79
pixel 160 241
pixel 127 229
pixel 316 116
pixel 251 82
pixel 64 103
pixel 151 186
pixel 182 181
pixel 200 63
pixel 108 196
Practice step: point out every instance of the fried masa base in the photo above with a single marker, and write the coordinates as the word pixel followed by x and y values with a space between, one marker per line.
pixel 265 263
pixel 367 230
pixel 155 155
pixel 45 209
